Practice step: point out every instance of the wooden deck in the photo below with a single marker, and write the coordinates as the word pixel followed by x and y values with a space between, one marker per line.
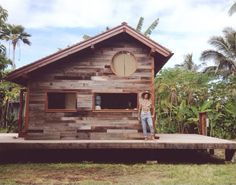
pixel 166 141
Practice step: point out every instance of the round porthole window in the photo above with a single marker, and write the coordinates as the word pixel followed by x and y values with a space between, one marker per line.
pixel 123 63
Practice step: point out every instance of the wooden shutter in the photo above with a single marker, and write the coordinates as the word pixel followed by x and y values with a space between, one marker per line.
pixel 124 64
pixel 119 64
pixel 130 64
pixel 70 101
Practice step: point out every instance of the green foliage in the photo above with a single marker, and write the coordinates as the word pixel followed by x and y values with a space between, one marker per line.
pixel 3 130
pixel 223 115
pixel 188 63
pixel 140 24
pixel 3 61
pixel 177 90
pixel 152 27
pixel 182 94
pixel 223 55
pixel 3 19
pixel 8 91
pixel 3 15
pixel 232 9
pixel 86 37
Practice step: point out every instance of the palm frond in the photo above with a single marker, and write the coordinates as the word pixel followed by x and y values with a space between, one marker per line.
pixel 150 29
pixel 210 69
pixel 140 24
pixel 179 65
pixel 205 106
pixel 221 45
pixel 2 49
pixel 228 30
pixel 24 34
pixel 188 62
pixel 212 54
pixel 26 41
pixel 230 107
pixel 221 61
pixel 3 15
pixel 224 54
pixel 230 38
pixel 232 9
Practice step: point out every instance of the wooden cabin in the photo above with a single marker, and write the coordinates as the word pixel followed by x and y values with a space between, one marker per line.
pixel 90 90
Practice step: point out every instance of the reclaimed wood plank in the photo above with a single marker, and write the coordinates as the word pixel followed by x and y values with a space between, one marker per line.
pixel 88 74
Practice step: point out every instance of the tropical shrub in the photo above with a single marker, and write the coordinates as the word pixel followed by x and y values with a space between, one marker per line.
pixel 182 94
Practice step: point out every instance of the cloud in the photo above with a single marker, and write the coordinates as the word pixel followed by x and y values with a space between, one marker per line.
pixel 190 25
pixel 72 13
pixel 179 15
pixel 185 25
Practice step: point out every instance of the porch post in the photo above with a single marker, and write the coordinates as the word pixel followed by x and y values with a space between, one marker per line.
pixel 203 123
pixel 20 133
pixel 153 90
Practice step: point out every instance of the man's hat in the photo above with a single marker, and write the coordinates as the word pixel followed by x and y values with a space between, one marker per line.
pixel 146 92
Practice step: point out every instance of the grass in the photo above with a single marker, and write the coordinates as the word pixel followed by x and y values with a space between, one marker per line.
pixel 3 130
pixel 204 171
pixel 105 174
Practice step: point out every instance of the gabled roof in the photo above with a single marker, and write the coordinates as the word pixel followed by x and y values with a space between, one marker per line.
pixel 124 27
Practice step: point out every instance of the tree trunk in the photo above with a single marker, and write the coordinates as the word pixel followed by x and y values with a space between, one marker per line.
pixel 13 56
pixel 5 114
pixel 1 116
pixel 158 111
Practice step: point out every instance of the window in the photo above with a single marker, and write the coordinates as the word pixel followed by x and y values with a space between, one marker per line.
pixel 119 101
pixel 123 64
pixel 61 101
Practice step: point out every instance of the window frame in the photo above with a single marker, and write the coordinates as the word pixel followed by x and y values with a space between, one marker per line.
pixel 114 110
pixel 59 110
pixel 122 52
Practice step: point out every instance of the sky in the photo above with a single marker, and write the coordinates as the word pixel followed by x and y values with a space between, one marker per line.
pixel 185 26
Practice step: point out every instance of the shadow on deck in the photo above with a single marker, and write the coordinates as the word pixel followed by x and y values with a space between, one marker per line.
pixel 109 156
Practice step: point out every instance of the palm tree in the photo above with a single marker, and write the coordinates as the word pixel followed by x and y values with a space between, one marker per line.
pixel 15 34
pixel 188 63
pixel 150 29
pixel 232 9
pixel 224 54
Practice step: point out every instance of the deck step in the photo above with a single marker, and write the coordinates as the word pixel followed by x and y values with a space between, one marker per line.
pixel 42 136
pixel 115 136
pixel 104 128
pixel 122 131
pixel 112 135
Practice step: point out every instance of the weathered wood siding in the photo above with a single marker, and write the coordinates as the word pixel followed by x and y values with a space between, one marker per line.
pixel 80 73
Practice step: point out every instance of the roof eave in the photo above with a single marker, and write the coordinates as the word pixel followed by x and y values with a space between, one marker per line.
pixel 88 43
